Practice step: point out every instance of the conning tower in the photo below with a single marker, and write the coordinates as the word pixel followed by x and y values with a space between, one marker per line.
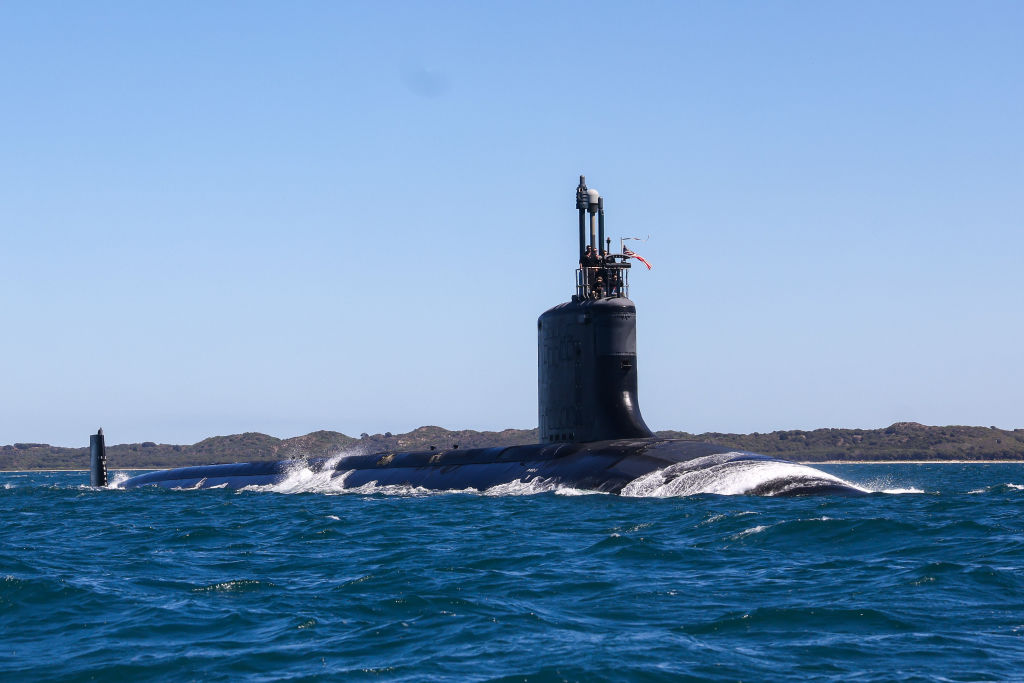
pixel 587 346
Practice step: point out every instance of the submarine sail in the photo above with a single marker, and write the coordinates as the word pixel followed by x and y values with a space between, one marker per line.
pixel 592 435
pixel 586 348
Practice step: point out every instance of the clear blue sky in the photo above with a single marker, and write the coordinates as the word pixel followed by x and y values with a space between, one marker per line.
pixel 219 217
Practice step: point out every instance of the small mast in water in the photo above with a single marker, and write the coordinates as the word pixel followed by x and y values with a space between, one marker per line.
pixel 97 459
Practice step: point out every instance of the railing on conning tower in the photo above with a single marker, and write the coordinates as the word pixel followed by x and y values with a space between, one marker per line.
pixel 610 279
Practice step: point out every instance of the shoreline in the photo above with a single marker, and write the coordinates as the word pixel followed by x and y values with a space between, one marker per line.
pixel 118 469
pixel 798 462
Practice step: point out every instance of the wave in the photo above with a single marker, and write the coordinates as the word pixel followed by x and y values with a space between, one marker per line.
pixel 999 488
pixel 117 479
pixel 302 477
pixel 732 474
pixel 887 484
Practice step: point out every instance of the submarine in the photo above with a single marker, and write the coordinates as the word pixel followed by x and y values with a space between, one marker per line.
pixel 592 436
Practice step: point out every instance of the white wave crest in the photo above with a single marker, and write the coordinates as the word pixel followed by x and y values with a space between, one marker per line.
pixel 373 488
pixel 302 477
pixel 886 484
pixel 535 486
pixel 990 489
pixel 730 474
pixel 118 478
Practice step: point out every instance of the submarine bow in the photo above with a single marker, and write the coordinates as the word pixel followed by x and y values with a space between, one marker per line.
pixel 592 435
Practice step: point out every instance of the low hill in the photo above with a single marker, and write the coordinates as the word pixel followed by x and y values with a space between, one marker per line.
pixel 252 446
pixel 900 441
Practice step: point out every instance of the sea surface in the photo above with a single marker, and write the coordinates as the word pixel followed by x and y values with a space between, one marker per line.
pixel 922 580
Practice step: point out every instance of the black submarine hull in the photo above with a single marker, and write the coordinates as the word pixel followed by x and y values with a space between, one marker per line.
pixel 620 466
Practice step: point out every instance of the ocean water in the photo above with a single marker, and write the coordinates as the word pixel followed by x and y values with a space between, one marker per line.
pixel 923 580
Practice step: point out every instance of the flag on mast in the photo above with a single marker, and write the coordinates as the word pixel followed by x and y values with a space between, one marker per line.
pixel 638 257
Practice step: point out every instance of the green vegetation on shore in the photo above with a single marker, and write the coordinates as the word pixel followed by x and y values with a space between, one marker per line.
pixel 901 441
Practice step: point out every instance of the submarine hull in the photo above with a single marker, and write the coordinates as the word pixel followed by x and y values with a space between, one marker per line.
pixel 620 466
pixel 592 434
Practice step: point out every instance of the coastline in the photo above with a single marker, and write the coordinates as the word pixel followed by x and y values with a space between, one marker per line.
pixel 798 462
pixel 115 469
pixel 900 442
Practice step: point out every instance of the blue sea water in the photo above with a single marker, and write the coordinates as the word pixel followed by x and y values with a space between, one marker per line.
pixel 925 582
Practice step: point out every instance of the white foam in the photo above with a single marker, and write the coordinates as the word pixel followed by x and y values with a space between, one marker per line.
pixel 374 488
pixel 119 478
pixel 728 474
pixel 522 488
pixel 887 485
pixel 570 491
pixel 535 486
pixel 301 477
pixel 989 489
pixel 326 480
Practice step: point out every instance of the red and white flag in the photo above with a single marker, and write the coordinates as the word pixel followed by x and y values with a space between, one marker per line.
pixel 638 257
